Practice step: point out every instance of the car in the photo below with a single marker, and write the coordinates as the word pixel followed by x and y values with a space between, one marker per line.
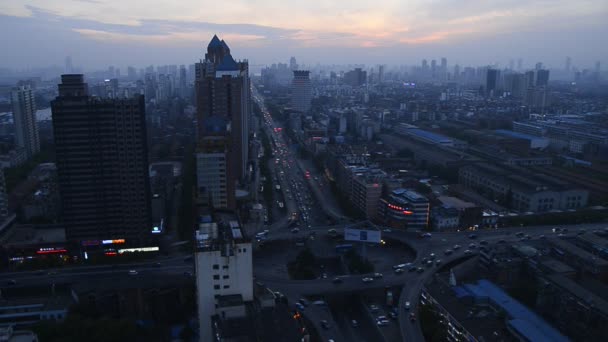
pixel 542 236
pixel 373 308
pixel 132 272
pixel 381 318
pixel 295 230
pixel 383 322
pixel 354 323
pixel 413 269
pixel 367 279
pixel 387 230
pixel 467 251
pixel 11 282
pixel 393 314
pixel 472 236
pixel 429 262
pixel 337 280
pixel 456 247
pixel 300 307
pixel 420 270
pixel 400 266
pixel 377 275
pixel 412 317
pixel 427 235
pixel 324 275
pixel 319 303
pixel 447 252
pixel 303 301
pixel 472 246
pixel 399 270
pixel 407 305
pixel 432 256
pixel 437 262
pixel 158 264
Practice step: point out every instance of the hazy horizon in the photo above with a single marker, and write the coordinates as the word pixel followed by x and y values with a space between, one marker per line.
pixel 98 33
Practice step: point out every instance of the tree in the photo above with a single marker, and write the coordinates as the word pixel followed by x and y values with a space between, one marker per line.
pixel 303 267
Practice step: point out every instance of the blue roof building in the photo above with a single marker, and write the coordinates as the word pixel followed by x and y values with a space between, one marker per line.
pixel 521 321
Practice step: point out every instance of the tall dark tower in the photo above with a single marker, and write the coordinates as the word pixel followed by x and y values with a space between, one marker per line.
pixel 223 109
pixel 102 164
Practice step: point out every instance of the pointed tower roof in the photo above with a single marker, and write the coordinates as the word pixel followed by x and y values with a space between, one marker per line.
pixel 225 45
pixel 215 42
pixel 227 64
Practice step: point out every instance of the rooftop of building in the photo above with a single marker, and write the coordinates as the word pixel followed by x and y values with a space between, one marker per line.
pixel 517 135
pixel 583 294
pixel 556 266
pixel 218 228
pixel 455 202
pixel 430 136
pixel 521 319
pixel 408 195
pixel 579 252
pixel 520 179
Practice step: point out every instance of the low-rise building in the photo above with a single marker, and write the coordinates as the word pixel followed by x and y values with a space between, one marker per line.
pixel 403 208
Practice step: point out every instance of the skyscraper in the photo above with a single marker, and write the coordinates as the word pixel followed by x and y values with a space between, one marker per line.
pixel 293 65
pixel 24 115
pixel 223 103
pixel 102 164
pixel 69 68
pixel 301 91
pixel 568 64
pixel 491 81
pixel 542 77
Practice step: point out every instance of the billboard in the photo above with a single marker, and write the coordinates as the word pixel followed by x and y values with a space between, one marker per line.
pixel 362 235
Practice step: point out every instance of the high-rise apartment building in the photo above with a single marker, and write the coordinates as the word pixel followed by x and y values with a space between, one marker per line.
pixel 301 91
pixel 223 103
pixel 24 115
pixel 102 164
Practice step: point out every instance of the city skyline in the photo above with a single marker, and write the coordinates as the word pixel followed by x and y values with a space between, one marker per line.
pixel 358 32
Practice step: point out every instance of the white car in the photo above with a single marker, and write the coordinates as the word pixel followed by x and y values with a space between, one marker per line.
pixel 367 279
pixel 132 272
pixel 407 305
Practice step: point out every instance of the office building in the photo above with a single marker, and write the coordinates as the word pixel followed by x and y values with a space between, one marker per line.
pixel 102 164
pixel 301 91
pixel 223 113
pixel 24 115
pixel 403 208
pixel 355 78
pixel 224 270
pixel 293 65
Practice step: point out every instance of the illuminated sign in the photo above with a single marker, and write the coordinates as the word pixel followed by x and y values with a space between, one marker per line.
pixel 113 242
pixel 140 249
pixel 51 250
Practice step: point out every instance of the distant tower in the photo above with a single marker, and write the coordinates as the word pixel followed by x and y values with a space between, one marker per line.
pixel 69 68
pixel 597 66
pixel 293 65
pixel 539 66
pixel 491 81
pixel 444 64
pixel 24 115
pixel 519 64
pixel 301 95
pixel 511 64
pixel 568 64
pixel 542 77
pixel 433 68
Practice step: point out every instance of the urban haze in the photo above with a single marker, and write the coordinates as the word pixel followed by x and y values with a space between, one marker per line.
pixel 303 171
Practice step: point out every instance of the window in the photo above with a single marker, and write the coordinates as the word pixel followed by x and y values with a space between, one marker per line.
pixel 216 277
pixel 216 267
pixel 226 286
pixel 226 277
pixel 225 267
pixel 244 250
pixel 216 287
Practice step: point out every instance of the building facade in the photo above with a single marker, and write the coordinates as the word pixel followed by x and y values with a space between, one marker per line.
pixel 405 209
pixel 224 270
pixel 223 103
pixel 102 165
pixel 24 115
pixel 301 91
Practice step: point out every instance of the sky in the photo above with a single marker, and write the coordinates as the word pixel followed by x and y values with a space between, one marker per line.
pixel 98 33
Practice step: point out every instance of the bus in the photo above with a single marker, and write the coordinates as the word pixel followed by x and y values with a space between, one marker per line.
pixel 343 248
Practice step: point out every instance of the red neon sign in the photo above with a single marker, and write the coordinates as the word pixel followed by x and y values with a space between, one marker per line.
pixel 52 251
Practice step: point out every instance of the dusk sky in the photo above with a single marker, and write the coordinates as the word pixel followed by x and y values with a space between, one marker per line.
pixel 98 33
